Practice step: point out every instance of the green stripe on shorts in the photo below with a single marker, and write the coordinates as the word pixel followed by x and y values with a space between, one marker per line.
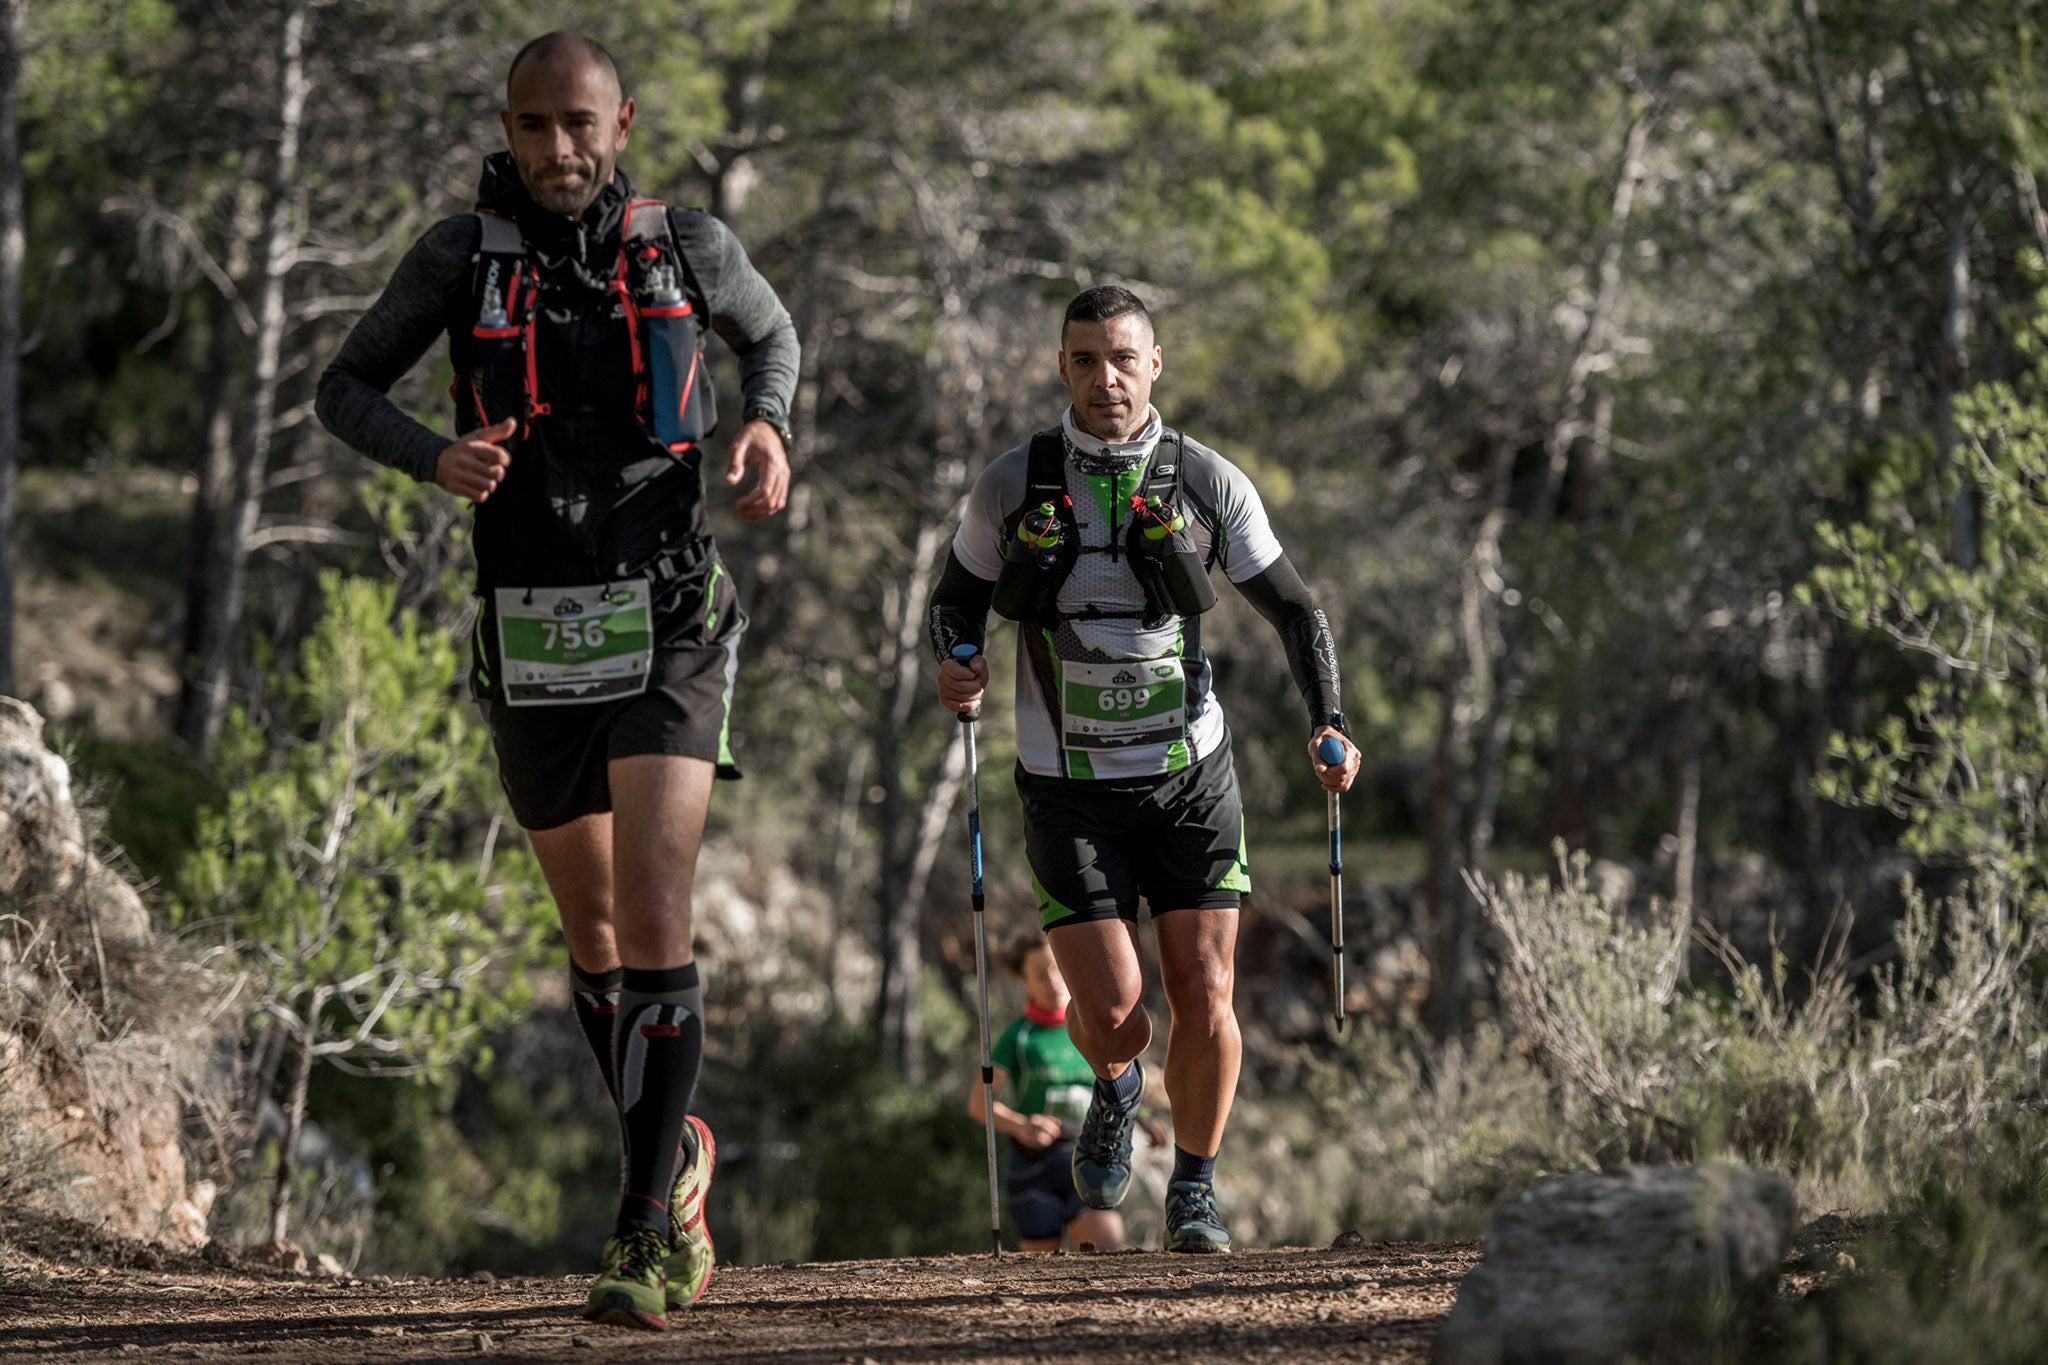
pixel 1239 877
pixel 1050 911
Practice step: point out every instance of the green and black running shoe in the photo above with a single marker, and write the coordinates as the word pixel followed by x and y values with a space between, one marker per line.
pixel 690 1261
pixel 631 1288
pixel 1102 1153
pixel 1192 1223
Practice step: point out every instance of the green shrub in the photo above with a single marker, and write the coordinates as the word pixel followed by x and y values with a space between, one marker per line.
pixel 1401 1138
pixel 1858 1109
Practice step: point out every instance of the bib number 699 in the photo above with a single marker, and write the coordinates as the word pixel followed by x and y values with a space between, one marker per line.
pixel 1123 698
pixel 572 634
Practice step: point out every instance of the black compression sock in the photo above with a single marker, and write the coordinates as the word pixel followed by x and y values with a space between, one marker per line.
pixel 1188 1166
pixel 1126 1089
pixel 657 1047
pixel 597 1004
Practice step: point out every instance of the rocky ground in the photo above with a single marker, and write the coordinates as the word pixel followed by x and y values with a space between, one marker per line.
pixel 67 1293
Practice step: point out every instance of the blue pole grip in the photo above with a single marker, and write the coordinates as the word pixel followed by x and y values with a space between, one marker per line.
pixel 961 654
pixel 1330 750
pixel 974 839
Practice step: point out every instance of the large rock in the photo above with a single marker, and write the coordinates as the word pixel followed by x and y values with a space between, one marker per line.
pixel 40 836
pixel 98 1095
pixel 1639 1261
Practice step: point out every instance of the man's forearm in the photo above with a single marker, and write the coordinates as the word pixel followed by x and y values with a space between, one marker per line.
pixel 958 612
pixel 366 418
pixel 389 339
pixel 1280 596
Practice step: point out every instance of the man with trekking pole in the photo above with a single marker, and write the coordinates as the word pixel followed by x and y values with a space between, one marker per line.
pixel 1096 536
pixel 608 632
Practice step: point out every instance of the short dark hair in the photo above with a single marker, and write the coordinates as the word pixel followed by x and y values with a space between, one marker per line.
pixel 1103 302
pixel 562 40
pixel 1021 946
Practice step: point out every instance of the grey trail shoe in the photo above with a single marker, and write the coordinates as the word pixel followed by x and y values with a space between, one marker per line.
pixel 1102 1153
pixel 1192 1223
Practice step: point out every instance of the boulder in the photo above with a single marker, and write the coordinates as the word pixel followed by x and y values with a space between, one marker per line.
pixel 1644 1261
pixel 101 1095
pixel 40 834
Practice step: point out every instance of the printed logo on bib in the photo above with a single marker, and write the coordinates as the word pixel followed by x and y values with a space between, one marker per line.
pixel 1121 705
pixel 569 646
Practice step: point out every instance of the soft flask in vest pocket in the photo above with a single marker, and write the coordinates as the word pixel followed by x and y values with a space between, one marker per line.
pixel 497 349
pixel 1029 580
pixel 1166 562
pixel 679 391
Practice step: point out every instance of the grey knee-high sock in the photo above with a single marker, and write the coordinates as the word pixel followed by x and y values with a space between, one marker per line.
pixel 657 1050
pixel 596 995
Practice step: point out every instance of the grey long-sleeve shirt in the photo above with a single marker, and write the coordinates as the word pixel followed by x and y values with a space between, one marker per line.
pixel 432 286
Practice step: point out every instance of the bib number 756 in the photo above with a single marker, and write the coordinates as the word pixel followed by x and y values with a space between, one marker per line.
pixel 572 635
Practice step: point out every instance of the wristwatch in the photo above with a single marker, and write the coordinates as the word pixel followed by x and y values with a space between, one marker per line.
pixel 1335 720
pixel 776 420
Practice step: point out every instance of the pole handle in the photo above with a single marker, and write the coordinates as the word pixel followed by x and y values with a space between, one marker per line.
pixel 1330 750
pixel 962 653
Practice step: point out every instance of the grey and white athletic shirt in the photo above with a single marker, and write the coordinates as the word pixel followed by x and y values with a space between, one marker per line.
pixel 1122 701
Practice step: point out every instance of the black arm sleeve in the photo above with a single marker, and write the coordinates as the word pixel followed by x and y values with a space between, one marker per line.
pixel 1283 599
pixel 958 613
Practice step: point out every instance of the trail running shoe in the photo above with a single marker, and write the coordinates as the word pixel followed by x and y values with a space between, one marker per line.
pixel 1102 1153
pixel 631 1284
pixel 1192 1223
pixel 689 1264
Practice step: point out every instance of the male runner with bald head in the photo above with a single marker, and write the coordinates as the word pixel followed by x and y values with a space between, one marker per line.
pixel 608 632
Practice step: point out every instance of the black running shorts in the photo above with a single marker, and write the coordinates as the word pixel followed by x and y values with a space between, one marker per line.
pixel 1096 846
pixel 1039 1189
pixel 552 760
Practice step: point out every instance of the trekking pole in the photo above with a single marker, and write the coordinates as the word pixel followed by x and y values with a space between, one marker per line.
pixel 1330 750
pixel 965 653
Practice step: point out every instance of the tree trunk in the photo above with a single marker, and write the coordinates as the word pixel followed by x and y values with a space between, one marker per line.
pixel 940 798
pixel 294 1120
pixel 211 670
pixel 12 249
pixel 210 512
pixel 1446 906
pixel 896 1009
pixel 1685 854
pixel 850 799
pixel 1952 373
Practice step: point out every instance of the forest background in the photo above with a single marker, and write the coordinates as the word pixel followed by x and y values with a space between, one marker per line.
pixel 1650 392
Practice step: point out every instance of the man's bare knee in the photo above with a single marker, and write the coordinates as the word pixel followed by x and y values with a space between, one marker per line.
pixel 1203 996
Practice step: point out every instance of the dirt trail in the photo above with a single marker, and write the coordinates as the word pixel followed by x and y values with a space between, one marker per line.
pixel 1371 1303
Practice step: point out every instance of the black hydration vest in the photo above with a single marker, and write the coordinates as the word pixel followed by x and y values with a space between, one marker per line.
pixel 1170 571
pixel 575 505
pixel 498 369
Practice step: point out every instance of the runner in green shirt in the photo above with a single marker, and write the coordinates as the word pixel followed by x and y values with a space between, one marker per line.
pixel 1053 1082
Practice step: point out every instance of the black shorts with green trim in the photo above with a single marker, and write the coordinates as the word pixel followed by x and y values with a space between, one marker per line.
pixel 1096 846
pixel 552 760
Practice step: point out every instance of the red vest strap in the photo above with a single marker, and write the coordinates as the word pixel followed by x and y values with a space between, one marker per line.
pixel 646 220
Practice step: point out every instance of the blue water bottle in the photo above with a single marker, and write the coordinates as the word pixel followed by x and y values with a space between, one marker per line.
pixel 672 359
